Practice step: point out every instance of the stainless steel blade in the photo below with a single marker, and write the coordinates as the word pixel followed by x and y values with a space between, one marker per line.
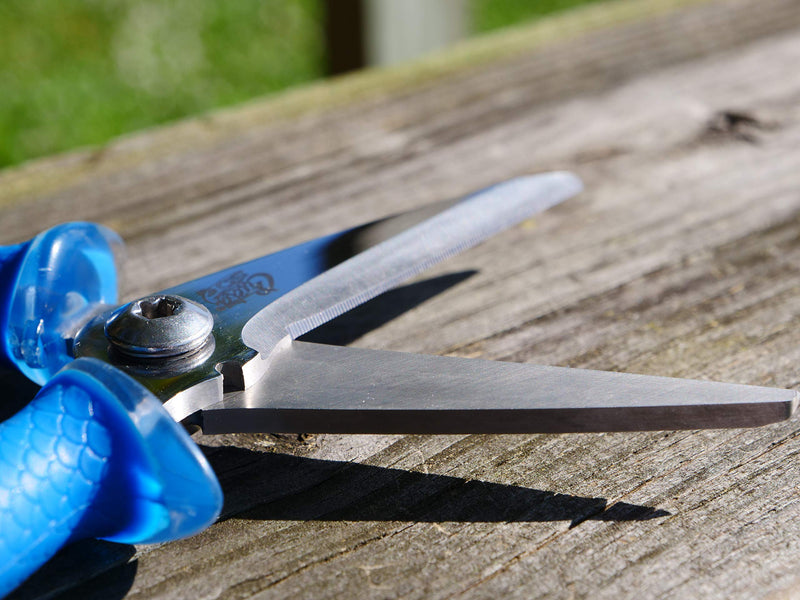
pixel 390 262
pixel 234 295
pixel 319 388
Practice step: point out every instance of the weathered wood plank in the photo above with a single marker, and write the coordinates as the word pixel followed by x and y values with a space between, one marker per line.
pixel 680 259
pixel 565 56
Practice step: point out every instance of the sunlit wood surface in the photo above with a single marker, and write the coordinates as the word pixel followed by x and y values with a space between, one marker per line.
pixel 681 258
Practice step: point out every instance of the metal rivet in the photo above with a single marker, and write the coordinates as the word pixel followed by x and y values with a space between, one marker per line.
pixel 159 326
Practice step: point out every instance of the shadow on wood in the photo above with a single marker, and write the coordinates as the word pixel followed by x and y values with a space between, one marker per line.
pixel 359 321
pixel 285 487
pixel 85 569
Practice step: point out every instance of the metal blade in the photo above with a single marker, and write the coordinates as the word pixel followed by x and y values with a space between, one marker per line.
pixel 318 388
pixel 387 264
pixel 234 295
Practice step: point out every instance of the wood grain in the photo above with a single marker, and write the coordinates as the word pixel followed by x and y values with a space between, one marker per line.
pixel 682 258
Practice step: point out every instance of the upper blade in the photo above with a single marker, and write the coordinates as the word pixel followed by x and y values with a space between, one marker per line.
pixel 394 260
pixel 318 388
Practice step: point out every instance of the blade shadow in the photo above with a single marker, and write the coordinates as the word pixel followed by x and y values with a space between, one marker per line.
pixel 380 310
pixel 271 486
pixel 303 489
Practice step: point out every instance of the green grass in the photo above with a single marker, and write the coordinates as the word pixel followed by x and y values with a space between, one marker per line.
pixel 493 14
pixel 80 72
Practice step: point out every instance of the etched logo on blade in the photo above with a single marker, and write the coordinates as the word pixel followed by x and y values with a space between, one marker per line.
pixel 237 288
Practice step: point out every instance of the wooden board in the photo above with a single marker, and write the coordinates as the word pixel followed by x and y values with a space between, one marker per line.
pixel 682 258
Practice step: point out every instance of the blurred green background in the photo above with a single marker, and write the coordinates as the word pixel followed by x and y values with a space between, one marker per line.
pixel 79 72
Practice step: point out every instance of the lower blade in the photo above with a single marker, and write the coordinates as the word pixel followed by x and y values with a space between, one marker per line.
pixel 318 388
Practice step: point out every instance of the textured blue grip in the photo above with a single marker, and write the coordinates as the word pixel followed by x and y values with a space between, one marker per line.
pixel 96 455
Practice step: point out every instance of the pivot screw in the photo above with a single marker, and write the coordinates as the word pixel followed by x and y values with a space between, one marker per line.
pixel 159 326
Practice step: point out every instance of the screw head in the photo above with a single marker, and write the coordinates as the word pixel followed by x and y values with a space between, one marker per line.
pixel 159 326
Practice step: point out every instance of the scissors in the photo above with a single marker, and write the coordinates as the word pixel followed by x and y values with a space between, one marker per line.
pixel 103 450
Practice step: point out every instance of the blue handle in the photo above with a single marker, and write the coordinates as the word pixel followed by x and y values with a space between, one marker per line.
pixel 96 455
pixel 47 287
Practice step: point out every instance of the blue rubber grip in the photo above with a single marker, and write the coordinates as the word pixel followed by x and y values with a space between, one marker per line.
pixel 96 455
pixel 47 287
